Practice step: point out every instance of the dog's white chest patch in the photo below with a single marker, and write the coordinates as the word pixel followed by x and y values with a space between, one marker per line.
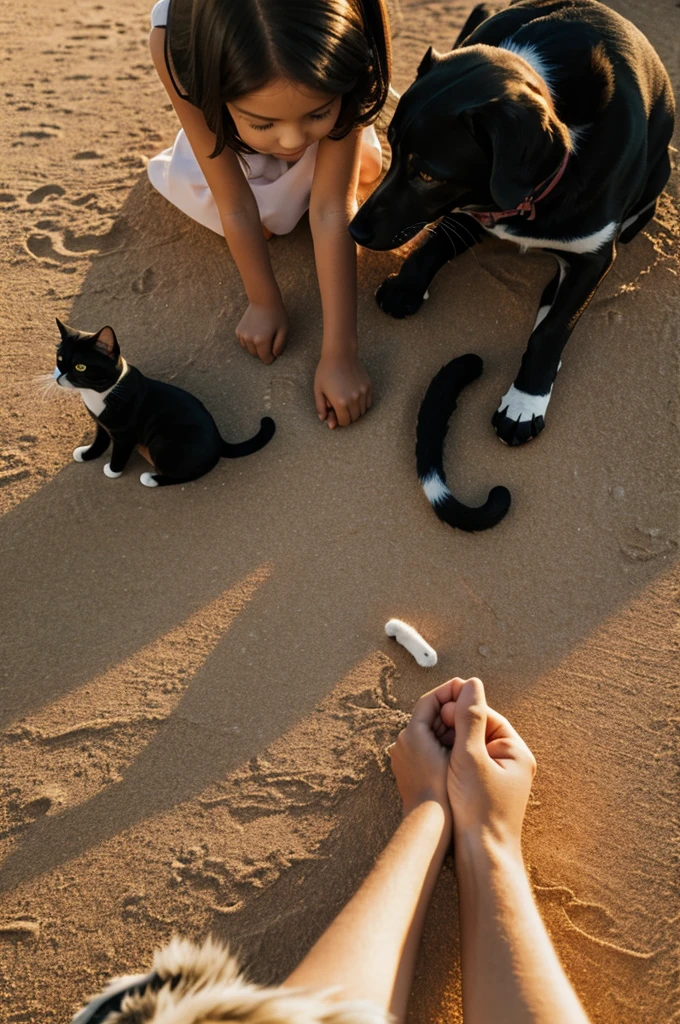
pixel 583 244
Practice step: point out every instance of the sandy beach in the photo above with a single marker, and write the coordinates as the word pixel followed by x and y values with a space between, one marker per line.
pixel 197 690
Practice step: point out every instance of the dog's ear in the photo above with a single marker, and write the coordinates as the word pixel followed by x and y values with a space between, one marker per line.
pixel 428 62
pixel 527 145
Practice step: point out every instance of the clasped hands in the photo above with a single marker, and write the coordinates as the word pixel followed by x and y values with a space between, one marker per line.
pixel 459 752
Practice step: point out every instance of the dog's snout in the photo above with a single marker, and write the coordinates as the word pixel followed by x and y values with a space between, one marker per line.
pixel 361 230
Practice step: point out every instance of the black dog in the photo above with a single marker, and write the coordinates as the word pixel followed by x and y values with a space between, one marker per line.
pixel 548 124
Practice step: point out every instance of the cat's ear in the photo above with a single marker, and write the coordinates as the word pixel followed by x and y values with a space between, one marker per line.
pixel 65 331
pixel 106 341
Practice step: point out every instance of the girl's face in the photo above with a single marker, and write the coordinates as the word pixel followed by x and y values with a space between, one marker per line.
pixel 284 118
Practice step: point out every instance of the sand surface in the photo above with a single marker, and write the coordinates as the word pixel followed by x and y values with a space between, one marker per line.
pixel 197 687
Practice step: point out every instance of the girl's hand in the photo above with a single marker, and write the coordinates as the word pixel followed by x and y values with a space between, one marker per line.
pixel 420 756
pixel 262 331
pixel 342 389
pixel 491 768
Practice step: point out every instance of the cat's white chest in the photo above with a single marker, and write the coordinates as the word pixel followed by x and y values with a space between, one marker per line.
pixel 95 400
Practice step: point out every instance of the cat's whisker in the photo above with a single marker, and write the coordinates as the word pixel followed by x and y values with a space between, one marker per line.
pixel 46 385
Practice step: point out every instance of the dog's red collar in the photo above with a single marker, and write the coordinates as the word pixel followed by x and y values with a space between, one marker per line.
pixel 527 208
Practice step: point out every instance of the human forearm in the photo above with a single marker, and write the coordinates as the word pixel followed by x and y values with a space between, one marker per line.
pixel 336 266
pixel 243 233
pixel 510 969
pixel 369 950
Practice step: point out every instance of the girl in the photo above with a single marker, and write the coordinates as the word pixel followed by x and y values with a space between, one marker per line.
pixel 276 99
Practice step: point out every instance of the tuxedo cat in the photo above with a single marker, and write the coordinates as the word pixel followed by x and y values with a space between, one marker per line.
pixel 170 427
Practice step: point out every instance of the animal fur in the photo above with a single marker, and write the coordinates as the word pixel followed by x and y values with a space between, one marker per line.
pixel 193 984
pixel 433 421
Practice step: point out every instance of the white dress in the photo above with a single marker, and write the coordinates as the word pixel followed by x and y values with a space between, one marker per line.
pixel 281 190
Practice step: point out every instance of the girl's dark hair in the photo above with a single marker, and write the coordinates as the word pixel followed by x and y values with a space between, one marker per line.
pixel 219 50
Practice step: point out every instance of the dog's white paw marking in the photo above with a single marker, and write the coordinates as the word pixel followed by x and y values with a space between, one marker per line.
pixel 411 639
pixel 426 294
pixel 148 480
pixel 109 472
pixel 519 406
pixel 80 451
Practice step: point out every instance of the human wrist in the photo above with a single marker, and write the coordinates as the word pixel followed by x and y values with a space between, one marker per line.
pixel 430 815
pixel 485 849
pixel 338 344
pixel 268 297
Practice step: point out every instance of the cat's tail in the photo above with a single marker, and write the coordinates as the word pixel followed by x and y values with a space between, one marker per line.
pixel 433 422
pixel 263 437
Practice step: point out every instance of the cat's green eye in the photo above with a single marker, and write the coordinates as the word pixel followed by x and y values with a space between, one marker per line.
pixel 80 367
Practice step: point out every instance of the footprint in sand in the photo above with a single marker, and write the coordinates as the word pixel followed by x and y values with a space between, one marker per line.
pixel 43 192
pixel 25 930
pixel 58 248
pixel 280 392
pixel 13 466
pixel 145 283
pixel 42 247
pixel 591 920
pixel 7 197
pixel 208 877
pixel 641 544
pixel 83 200
pixel 41 134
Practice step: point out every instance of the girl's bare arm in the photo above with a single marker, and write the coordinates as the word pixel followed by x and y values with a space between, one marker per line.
pixel 341 381
pixel 235 203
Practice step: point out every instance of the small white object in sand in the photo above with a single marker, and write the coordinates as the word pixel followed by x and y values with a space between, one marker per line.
pixel 411 639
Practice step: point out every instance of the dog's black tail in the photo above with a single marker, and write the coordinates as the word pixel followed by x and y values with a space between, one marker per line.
pixel 263 437
pixel 433 421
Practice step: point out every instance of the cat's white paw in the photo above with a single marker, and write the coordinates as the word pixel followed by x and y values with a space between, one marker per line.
pixel 148 480
pixel 80 451
pixel 109 472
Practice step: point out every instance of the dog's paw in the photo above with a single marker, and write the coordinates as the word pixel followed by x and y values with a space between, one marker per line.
pixel 397 299
pixel 80 452
pixel 148 480
pixel 110 473
pixel 520 416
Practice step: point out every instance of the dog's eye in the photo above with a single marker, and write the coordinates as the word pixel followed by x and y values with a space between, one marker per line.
pixel 425 177
pixel 80 367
